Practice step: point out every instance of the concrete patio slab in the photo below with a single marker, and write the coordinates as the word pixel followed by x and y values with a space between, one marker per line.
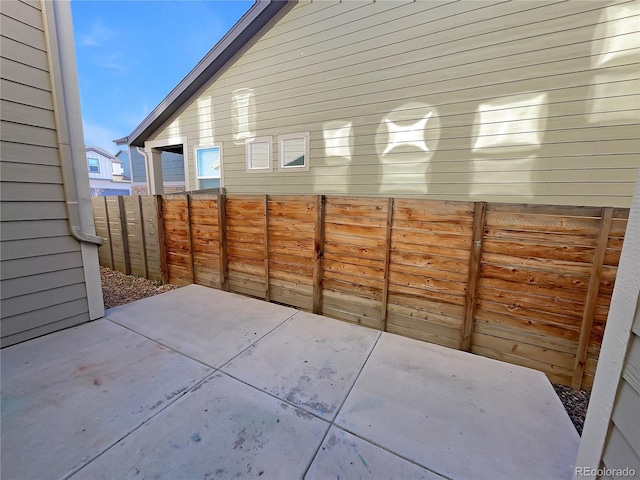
pixel 343 455
pixel 68 396
pixel 222 429
pixel 208 325
pixel 460 415
pixel 310 361
pixel 102 401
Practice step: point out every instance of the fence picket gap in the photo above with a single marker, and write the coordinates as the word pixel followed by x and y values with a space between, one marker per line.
pixel 592 297
pixel 479 215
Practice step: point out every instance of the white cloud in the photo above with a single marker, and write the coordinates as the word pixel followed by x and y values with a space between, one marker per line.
pixel 100 136
pixel 98 33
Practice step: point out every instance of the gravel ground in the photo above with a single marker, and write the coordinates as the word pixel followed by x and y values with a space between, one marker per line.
pixel 575 403
pixel 119 289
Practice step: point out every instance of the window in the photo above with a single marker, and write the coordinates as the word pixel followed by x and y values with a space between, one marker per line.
pixel 294 151
pixel 94 165
pixel 208 166
pixel 259 154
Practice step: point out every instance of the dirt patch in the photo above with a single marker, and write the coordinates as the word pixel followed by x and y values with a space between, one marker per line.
pixel 118 288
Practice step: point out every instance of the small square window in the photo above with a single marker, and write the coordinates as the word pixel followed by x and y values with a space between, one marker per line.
pixel 94 165
pixel 294 151
pixel 209 166
pixel 259 154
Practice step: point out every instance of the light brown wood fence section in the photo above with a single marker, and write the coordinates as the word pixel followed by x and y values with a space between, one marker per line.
pixel 526 284
pixel 291 224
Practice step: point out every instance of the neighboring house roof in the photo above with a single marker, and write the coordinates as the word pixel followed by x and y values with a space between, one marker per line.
pixel 102 152
pixel 235 39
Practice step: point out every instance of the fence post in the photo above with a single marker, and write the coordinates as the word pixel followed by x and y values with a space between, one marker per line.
pixel 470 300
pixel 187 198
pixel 592 297
pixel 267 290
pixel 387 260
pixel 222 240
pixel 125 235
pixel 138 206
pixel 318 247
pixel 162 245
pixel 106 216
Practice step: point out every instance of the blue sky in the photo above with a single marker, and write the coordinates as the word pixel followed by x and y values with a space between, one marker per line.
pixel 131 54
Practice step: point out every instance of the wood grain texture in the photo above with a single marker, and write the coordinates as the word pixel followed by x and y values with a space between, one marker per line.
pixel 592 297
pixel 527 284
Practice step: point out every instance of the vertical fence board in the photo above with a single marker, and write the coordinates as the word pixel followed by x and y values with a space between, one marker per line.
pixel 162 242
pixel 143 240
pixel 474 270
pixel 387 259
pixel 592 297
pixel 192 267
pixel 318 253
pixel 122 216
pixel 267 293
pixel 222 234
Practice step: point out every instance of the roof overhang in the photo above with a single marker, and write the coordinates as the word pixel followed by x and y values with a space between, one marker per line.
pixel 234 40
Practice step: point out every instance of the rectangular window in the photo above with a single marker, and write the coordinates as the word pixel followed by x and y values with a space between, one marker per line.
pixel 259 154
pixel 208 166
pixel 294 151
pixel 94 165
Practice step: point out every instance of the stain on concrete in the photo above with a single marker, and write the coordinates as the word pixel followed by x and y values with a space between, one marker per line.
pixel 195 438
pixel 240 439
pixel 170 396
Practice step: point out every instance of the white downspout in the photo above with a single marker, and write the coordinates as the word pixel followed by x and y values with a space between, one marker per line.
pixel 66 105
pixel 63 73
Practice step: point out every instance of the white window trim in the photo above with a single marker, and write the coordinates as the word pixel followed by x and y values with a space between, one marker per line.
pixel 248 142
pixel 195 162
pixel 89 166
pixel 281 139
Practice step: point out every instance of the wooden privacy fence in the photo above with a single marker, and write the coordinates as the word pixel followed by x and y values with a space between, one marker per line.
pixel 526 284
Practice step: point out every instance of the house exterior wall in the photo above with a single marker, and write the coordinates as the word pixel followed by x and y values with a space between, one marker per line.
pixel 105 166
pixel 524 101
pixel 42 277
pixel 172 173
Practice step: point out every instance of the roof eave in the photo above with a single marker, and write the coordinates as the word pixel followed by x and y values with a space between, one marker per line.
pixel 234 40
